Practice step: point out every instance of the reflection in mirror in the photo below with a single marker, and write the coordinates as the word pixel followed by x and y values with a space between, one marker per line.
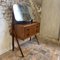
pixel 21 12
pixel 17 12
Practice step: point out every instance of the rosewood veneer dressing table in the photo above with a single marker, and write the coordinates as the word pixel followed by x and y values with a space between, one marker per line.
pixel 23 30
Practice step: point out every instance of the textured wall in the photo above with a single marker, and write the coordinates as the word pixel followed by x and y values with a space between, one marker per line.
pixel 50 18
pixel 5 20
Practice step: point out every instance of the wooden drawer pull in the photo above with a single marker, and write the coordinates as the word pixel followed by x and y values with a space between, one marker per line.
pixel 27 34
pixel 27 29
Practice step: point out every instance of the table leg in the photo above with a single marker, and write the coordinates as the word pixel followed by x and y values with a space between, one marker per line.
pixel 19 47
pixel 12 42
pixel 37 39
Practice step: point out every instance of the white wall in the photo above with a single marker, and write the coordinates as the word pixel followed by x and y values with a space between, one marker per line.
pixel 5 38
pixel 50 19
pixel 5 22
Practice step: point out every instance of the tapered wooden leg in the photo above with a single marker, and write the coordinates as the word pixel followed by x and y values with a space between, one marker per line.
pixel 20 48
pixel 37 39
pixel 12 42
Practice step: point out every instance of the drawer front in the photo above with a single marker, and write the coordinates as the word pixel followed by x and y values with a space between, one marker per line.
pixel 27 35
pixel 27 31
pixel 33 30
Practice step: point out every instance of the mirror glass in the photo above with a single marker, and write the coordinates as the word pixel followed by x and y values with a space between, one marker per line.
pixel 21 12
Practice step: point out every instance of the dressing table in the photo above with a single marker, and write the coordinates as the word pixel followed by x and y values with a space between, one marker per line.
pixel 23 29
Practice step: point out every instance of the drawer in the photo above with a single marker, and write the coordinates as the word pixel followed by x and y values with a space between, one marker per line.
pixel 27 31
pixel 33 30
pixel 26 35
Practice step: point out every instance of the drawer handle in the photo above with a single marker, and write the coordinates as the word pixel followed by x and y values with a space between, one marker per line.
pixel 27 29
pixel 27 34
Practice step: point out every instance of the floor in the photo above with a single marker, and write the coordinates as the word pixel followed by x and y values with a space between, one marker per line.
pixel 32 51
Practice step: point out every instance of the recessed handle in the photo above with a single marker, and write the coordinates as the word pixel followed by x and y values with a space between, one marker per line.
pixel 27 34
pixel 27 29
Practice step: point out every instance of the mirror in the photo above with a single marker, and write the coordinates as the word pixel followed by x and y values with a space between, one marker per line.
pixel 21 12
